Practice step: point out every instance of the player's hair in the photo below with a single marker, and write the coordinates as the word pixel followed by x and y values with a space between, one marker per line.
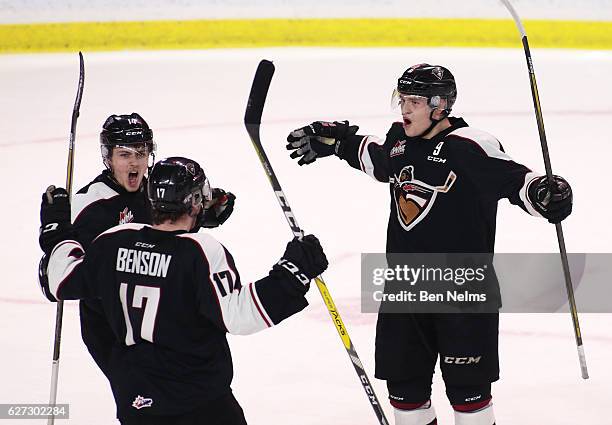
pixel 160 217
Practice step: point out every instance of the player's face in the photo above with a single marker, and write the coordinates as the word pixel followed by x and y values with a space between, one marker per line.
pixel 415 114
pixel 129 165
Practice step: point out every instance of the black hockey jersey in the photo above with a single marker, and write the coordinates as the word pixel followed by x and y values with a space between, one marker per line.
pixel 444 190
pixel 103 204
pixel 97 207
pixel 170 298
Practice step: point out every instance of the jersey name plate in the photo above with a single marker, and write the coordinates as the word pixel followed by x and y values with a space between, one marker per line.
pixel 143 262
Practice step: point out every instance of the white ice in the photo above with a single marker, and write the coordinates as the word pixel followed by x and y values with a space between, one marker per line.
pixel 298 372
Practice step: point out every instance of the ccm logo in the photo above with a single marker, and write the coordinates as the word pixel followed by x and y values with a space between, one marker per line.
pixel 462 360
pixel 436 159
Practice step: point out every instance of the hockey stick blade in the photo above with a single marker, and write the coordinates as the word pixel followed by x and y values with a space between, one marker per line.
pixel 259 92
pixel 252 120
pixel 75 115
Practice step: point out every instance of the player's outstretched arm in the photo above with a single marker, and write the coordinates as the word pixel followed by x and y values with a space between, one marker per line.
pixel 552 200
pixel 282 292
pixel 243 310
pixel 319 139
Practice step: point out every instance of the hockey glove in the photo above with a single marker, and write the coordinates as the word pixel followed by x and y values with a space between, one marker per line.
pixel 303 259
pixel 318 140
pixel 552 201
pixel 218 210
pixel 55 225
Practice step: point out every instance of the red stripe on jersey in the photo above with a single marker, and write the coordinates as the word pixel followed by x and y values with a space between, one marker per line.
pixel 407 406
pixel 257 305
pixel 64 242
pixel 210 282
pixel 237 283
pixel 471 407
pixel 59 286
pixel 76 253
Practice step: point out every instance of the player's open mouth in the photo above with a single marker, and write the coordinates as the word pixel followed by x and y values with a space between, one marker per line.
pixel 133 177
pixel 407 121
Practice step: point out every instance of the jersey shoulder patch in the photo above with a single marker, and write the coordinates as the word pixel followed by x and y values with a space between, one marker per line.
pixel 89 195
pixel 484 142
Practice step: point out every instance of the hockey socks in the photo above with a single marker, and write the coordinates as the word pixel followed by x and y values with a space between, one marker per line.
pixel 414 413
pixel 480 413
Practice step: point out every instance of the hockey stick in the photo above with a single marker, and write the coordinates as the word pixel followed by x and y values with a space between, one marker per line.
pixel 252 121
pixel 69 171
pixel 549 175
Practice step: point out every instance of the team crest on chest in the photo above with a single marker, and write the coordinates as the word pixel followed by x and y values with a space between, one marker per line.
pixel 414 198
pixel 126 216
pixel 398 149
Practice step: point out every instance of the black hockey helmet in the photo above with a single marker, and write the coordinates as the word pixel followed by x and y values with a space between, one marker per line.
pixel 176 184
pixel 433 82
pixel 125 131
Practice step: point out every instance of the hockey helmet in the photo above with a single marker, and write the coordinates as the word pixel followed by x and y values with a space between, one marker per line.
pixel 129 131
pixel 432 82
pixel 176 184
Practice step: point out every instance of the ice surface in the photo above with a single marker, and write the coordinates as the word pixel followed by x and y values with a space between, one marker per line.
pixel 194 100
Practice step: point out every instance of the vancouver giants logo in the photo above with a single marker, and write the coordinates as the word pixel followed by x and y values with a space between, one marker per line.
pixel 414 198
pixel 126 216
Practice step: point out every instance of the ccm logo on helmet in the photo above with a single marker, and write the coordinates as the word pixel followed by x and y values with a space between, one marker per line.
pixel 461 360
pixel 133 133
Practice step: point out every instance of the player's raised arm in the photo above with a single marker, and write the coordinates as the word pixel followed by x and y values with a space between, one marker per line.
pixel 322 138
pixel 496 175
pixel 61 275
pixel 243 310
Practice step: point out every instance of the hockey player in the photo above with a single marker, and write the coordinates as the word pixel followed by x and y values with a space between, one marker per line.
pixel 170 296
pixel 445 179
pixel 118 196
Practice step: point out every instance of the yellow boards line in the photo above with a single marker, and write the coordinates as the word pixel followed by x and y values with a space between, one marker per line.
pixel 206 34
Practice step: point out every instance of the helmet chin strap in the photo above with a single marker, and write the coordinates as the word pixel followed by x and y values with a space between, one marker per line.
pixel 434 122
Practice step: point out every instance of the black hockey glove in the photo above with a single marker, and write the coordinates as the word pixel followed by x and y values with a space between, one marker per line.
pixel 303 259
pixel 218 209
pixel 318 140
pixel 55 225
pixel 553 201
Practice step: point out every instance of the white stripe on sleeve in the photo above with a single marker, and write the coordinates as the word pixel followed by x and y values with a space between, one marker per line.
pixel 529 177
pixel 365 160
pixel 62 264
